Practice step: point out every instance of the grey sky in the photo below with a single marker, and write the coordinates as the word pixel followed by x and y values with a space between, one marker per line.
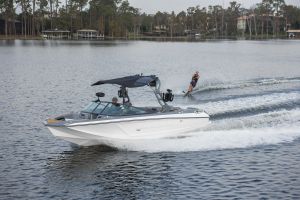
pixel 152 6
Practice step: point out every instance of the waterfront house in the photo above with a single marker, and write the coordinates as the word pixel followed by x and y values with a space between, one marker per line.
pixel 88 34
pixel 56 34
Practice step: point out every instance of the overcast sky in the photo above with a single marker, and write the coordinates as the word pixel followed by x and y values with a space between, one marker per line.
pixel 152 6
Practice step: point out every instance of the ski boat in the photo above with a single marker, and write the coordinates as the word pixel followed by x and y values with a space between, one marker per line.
pixel 103 122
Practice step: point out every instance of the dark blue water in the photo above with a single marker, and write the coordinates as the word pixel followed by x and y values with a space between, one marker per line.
pixel 251 150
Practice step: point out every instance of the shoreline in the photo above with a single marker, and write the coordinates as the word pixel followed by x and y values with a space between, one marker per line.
pixel 153 38
pixel 20 37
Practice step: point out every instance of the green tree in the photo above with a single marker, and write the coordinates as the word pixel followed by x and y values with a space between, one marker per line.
pixel 232 13
pixel 40 14
pixel 103 12
pixel 180 23
pixel 200 18
pixel 277 12
pixel 215 14
pixel 127 18
pixel 8 11
pixel 146 23
pixel 26 10
pixel 292 15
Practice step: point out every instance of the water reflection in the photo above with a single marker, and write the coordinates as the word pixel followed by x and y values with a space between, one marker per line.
pixel 77 159
pixel 113 173
pixel 53 43
pixel 7 43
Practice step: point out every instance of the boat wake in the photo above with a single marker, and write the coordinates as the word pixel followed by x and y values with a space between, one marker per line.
pixel 216 86
pixel 214 140
pixel 244 106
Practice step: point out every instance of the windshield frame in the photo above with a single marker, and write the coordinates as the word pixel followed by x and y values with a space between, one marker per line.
pixel 123 107
pixel 92 111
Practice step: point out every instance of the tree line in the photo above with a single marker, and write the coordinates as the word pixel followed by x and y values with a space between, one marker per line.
pixel 117 18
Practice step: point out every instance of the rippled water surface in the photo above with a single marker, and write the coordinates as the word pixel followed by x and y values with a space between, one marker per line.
pixel 251 149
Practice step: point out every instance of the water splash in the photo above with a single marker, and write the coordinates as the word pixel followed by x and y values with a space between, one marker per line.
pixel 213 140
pixel 213 86
pixel 250 105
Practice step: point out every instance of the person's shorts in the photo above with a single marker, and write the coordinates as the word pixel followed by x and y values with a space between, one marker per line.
pixel 193 83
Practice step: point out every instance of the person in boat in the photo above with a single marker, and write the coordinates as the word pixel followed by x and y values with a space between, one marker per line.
pixel 114 102
pixel 114 108
pixel 193 82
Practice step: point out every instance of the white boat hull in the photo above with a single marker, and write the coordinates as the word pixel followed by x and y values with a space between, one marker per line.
pixel 105 132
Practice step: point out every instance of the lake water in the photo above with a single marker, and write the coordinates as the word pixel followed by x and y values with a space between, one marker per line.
pixel 251 150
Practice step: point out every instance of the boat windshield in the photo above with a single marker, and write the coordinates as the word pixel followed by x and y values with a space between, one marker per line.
pixel 109 109
pixel 94 107
pixel 122 110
